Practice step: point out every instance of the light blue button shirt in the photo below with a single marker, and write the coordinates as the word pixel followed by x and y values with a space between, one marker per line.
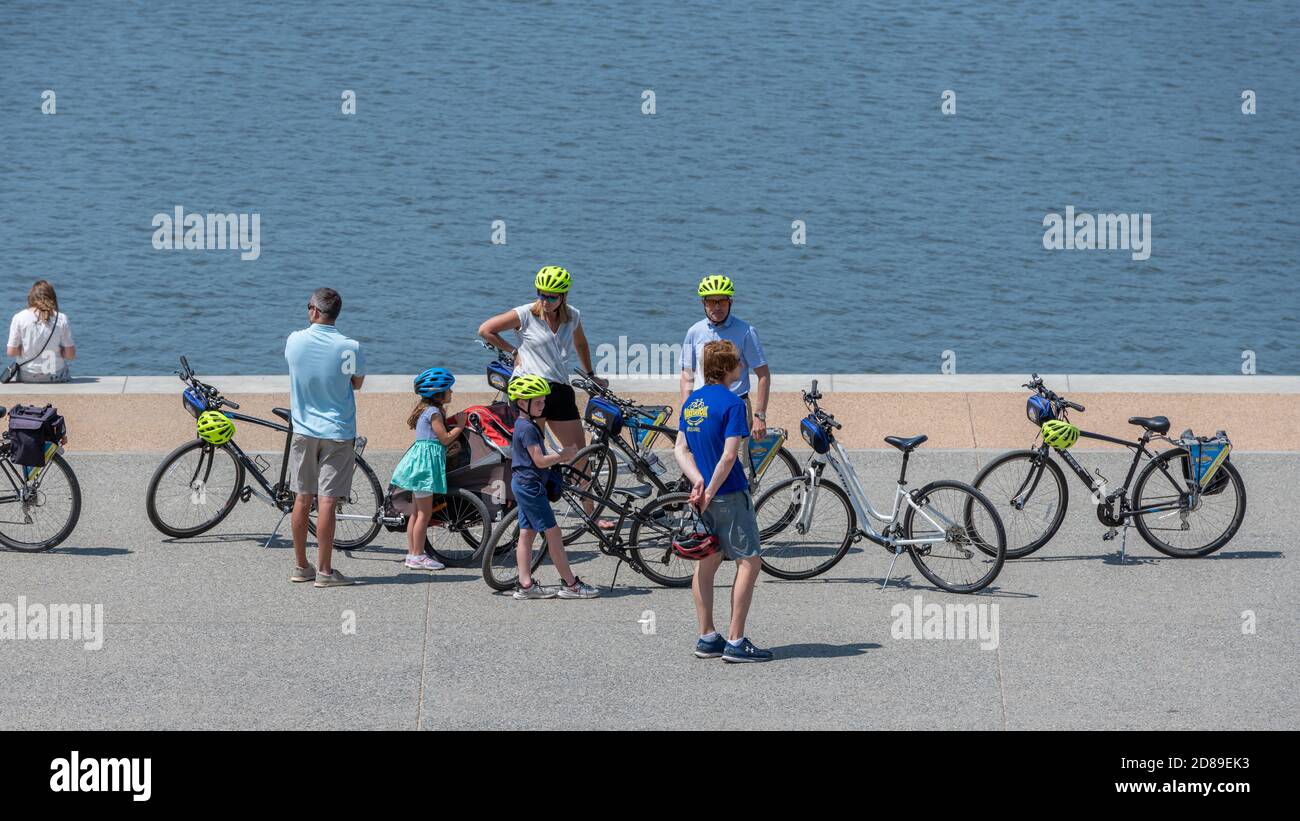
pixel 322 362
pixel 739 333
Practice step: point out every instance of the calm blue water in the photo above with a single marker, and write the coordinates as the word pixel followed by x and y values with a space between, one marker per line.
pixel 924 231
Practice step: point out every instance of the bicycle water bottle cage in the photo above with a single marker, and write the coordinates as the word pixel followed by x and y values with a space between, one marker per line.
pixel 814 434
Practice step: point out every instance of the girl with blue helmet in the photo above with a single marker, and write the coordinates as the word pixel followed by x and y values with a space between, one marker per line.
pixel 423 468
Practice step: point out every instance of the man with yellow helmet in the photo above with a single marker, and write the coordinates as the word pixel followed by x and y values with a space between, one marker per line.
pixel 716 292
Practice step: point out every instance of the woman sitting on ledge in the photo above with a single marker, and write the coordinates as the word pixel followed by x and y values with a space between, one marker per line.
pixel 40 337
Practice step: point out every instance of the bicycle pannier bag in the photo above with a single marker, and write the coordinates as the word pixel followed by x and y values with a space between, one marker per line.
pixel 1039 410
pixel 498 376
pixel 814 435
pixel 31 428
pixel 1205 456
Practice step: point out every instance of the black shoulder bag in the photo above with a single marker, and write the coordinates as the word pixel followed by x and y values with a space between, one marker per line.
pixel 11 372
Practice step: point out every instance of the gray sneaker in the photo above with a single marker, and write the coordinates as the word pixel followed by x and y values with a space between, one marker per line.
pixel 534 591
pixel 580 590
pixel 304 574
pixel 333 579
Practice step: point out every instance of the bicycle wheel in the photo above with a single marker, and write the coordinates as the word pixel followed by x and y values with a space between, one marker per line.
pixel 791 551
pixel 596 461
pixel 1042 505
pixel 650 541
pixel 973 543
pixel 465 525
pixel 194 488
pixel 1191 529
pixel 785 466
pixel 499 560
pixel 365 500
pixel 38 515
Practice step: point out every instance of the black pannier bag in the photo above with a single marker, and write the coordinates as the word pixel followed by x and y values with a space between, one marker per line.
pixel 31 428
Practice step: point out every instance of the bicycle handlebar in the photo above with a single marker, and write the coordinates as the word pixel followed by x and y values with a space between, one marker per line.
pixel 1035 383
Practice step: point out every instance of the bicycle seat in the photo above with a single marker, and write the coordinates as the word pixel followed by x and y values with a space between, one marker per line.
pixel 283 413
pixel 1157 424
pixel 906 445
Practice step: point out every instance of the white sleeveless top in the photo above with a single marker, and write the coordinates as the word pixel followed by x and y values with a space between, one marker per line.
pixel 543 352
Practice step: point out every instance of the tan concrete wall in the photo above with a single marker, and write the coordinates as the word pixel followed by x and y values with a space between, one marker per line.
pixel 156 422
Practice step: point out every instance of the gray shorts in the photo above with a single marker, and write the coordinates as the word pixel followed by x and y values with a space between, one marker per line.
pixel 733 519
pixel 321 467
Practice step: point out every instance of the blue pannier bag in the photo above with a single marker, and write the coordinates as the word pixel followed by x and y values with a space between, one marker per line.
pixel 814 435
pixel 1204 459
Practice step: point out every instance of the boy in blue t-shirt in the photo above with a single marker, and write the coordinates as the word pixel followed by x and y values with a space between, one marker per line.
pixel 529 465
pixel 713 424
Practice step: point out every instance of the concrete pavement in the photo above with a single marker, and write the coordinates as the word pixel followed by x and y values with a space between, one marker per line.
pixel 209 633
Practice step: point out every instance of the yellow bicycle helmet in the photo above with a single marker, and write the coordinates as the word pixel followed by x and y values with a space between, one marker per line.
pixel 553 279
pixel 1060 434
pixel 527 387
pixel 717 285
pixel 215 428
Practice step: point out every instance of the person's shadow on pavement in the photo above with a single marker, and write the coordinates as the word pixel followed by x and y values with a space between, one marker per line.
pixel 811 650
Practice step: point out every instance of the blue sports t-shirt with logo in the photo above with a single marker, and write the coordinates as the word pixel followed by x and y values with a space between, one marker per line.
pixel 711 415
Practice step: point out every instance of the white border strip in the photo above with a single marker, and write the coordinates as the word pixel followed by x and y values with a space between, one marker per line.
pixel 828 383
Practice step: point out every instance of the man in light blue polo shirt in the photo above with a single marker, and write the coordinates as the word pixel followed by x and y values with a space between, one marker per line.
pixel 716 292
pixel 325 367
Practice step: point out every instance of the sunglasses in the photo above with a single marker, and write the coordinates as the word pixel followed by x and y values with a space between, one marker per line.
pixel 548 297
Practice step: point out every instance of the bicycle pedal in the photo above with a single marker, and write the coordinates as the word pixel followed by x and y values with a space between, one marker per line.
pixel 1109 535
pixel 245 494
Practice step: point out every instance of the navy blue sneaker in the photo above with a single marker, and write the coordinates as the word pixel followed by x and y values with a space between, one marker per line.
pixel 710 648
pixel 745 652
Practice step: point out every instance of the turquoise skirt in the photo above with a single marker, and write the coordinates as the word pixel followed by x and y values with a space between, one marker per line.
pixel 423 468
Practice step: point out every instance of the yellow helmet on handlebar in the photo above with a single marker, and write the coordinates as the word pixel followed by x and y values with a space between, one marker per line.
pixel 215 428
pixel 1060 434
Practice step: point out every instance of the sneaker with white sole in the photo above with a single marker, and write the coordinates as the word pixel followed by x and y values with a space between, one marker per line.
pixel 303 574
pixel 424 561
pixel 579 590
pixel 332 579
pixel 533 591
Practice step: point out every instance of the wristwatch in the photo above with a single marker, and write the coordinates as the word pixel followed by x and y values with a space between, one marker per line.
pixel 762 417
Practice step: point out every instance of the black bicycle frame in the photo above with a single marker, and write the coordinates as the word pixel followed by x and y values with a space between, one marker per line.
pixel 251 466
pixel 1139 449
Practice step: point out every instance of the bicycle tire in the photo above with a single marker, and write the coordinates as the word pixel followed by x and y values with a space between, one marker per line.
pixel 65 530
pixel 1148 533
pixel 228 504
pixel 607 469
pixel 997 554
pixel 467 523
pixel 373 506
pixel 1018 521
pixel 659 562
pixel 498 562
pixel 772 556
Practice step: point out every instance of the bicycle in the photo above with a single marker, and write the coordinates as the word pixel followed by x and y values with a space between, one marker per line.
pixel 648 548
pixel 33 499
pixel 197 484
pixel 1036 508
pixel 945 525
pixel 644 424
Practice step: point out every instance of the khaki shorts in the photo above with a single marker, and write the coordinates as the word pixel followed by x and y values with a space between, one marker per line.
pixel 321 467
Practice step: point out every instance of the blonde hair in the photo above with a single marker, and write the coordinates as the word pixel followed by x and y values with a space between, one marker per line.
pixel 562 312
pixel 720 357
pixel 42 299
pixel 438 400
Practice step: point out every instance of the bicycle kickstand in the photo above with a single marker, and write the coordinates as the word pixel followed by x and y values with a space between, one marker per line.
pixel 897 550
pixel 615 580
pixel 276 531
pixel 1123 542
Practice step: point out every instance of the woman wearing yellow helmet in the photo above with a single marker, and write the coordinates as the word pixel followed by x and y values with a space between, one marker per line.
pixel 549 332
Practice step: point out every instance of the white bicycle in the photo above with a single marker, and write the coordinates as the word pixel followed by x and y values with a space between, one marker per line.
pixel 808 523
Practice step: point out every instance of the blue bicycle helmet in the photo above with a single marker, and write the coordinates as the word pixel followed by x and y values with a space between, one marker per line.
pixel 433 382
